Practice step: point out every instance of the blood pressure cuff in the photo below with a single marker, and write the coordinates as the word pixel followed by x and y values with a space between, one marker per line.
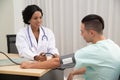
pixel 67 61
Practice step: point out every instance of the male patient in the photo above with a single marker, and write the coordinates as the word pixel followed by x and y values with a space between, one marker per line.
pixel 101 59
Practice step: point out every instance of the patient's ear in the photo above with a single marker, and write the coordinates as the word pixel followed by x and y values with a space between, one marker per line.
pixel 92 33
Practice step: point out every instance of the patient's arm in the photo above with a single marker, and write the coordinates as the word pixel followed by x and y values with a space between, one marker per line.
pixel 76 72
pixel 49 64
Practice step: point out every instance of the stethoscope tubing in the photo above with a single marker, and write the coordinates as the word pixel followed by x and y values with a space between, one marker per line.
pixel 44 35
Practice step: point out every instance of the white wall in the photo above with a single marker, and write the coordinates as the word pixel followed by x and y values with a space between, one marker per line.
pixel 6 22
pixel 10 19
pixel 18 21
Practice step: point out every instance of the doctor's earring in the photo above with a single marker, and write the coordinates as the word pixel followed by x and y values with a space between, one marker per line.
pixel 29 22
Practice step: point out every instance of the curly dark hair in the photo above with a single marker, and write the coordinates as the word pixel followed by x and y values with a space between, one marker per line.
pixel 28 12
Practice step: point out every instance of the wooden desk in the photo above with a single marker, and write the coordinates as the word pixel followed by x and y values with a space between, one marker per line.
pixel 18 71
pixel 14 72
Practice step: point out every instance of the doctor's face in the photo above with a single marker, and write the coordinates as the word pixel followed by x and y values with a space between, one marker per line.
pixel 86 34
pixel 36 19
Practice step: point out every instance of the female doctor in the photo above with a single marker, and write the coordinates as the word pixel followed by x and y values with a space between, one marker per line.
pixel 35 40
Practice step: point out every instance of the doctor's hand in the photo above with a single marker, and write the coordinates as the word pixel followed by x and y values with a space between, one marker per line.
pixel 56 55
pixel 40 57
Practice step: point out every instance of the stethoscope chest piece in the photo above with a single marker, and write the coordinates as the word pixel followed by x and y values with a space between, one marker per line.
pixel 44 37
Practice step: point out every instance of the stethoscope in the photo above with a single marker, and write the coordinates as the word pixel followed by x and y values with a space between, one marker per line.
pixel 43 37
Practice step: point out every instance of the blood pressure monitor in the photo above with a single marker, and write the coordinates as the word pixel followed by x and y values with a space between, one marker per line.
pixel 67 61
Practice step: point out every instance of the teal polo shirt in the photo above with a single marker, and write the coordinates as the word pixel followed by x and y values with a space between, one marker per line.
pixel 102 60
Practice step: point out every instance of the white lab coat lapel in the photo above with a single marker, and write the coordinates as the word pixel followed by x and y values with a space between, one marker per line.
pixel 34 42
pixel 40 36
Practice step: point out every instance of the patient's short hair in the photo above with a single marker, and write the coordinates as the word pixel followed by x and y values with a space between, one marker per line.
pixel 94 22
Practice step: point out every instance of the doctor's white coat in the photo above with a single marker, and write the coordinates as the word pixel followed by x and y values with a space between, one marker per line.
pixel 27 45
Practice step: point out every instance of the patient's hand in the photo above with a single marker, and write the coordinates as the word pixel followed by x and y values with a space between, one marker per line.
pixel 26 65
